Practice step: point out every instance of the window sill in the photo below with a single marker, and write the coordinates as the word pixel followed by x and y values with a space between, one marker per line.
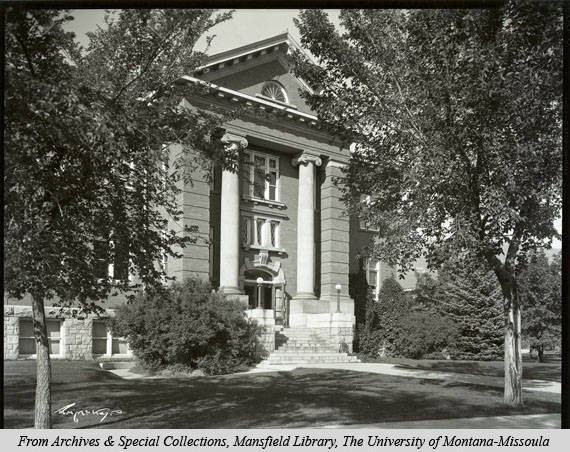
pixel 266 202
pixel 35 356
pixel 264 248
pixel 105 356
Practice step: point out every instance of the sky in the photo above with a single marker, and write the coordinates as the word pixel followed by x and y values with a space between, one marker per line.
pixel 246 26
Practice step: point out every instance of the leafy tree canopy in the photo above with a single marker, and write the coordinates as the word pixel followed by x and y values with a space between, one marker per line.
pixel 85 147
pixel 454 122
pixel 455 118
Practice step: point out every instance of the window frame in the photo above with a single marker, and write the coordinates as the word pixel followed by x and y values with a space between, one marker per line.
pixel 251 237
pixel 110 261
pixel 60 339
pixel 110 341
pixel 376 270
pixel 251 169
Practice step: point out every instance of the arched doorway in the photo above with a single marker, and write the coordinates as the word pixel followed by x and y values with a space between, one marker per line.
pixel 269 294
pixel 260 295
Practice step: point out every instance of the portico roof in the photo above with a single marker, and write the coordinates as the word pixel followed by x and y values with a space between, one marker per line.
pixel 281 41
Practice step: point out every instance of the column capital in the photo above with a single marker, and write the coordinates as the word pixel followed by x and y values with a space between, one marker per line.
pixel 234 142
pixel 304 158
pixel 336 164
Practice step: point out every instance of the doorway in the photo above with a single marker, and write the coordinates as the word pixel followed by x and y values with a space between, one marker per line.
pixel 266 294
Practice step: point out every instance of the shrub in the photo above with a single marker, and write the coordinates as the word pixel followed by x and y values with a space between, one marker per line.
pixel 421 333
pixel 187 324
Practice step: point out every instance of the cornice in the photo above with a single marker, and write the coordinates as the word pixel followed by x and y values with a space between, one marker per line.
pixel 281 42
pixel 258 102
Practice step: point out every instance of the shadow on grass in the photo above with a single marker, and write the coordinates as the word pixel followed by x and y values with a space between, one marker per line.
pixel 301 398
pixel 531 370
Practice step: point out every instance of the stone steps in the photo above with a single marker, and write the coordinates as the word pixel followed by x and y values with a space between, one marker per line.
pixel 283 350
pixel 305 346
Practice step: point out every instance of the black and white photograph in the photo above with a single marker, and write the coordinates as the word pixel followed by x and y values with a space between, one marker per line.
pixel 283 219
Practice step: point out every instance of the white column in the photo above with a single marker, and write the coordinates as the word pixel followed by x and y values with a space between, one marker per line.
pixel 229 224
pixel 306 226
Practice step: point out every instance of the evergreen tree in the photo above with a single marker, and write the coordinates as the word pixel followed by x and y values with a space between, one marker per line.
pixel 380 328
pixel 468 294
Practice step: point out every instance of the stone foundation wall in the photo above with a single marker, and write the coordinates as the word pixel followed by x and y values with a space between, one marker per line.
pixel 76 334
pixel 78 337
pixel 265 319
pixel 11 333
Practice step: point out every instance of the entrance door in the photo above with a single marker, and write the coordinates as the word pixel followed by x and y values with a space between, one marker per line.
pixel 259 296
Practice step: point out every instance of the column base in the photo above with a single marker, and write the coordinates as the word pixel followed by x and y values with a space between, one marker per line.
pixel 303 304
pixel 305 296
pixel 230 290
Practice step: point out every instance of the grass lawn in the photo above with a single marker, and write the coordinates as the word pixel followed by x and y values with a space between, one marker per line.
pixel 532 370
pixel 301 398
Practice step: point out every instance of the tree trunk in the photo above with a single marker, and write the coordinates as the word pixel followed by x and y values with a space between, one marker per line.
pixel 540 351
pixel 42 416
pixel 513 352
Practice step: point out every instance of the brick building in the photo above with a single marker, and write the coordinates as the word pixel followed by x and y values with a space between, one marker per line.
pixel 274 235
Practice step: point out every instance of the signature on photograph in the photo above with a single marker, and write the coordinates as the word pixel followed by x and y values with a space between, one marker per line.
pixel 71 410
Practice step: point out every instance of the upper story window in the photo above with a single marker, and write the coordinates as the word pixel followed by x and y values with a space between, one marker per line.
pixel 111 259
pixel 260 232
pixel 262 173
pixel 275 91
pixel 372 269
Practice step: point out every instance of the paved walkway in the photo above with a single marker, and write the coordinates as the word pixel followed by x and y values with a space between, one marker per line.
pixel 541 421
pixel 396 370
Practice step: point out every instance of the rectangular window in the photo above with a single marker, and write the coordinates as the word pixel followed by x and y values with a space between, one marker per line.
pixel 121 260
pixel 274 234
pixel 111 259
pixel 119 346
pixel 99 338
pixel 259 227
pixel 247 231
pixel 101 259
pixel 258 231
pixel 262 172
pixel 27 341
pixel 372 276
pixel 54 336
pixel 102 340
pixel 259 177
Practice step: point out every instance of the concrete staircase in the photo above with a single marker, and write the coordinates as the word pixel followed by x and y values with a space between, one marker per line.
pixel 305 346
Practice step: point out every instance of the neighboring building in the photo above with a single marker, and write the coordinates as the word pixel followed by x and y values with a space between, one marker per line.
pixel 275 235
